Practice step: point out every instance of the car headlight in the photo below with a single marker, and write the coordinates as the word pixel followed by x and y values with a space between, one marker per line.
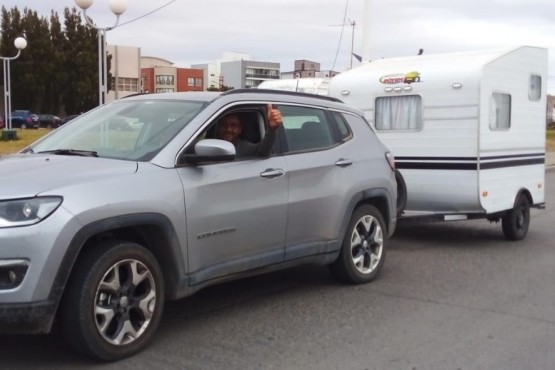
pixel 24 212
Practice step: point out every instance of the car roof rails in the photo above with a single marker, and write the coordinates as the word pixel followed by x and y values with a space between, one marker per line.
pixel 280 92
pixel 135 94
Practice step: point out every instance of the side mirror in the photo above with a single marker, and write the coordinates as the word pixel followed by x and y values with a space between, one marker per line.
pixel 211 150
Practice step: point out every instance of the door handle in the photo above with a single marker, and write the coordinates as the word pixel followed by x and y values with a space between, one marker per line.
pixel 343 162
pixel 270 173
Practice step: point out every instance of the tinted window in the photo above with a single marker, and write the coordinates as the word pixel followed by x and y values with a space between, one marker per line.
pixel 343 131
pixel 306 128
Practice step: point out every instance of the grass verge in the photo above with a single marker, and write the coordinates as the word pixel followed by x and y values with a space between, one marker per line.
pixel 550 140
pixel 24 138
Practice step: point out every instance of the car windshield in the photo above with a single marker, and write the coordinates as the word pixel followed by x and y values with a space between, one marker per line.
pixel 127 129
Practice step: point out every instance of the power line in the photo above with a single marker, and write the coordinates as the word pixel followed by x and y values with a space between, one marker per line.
pixel 341 35
pixel 147 14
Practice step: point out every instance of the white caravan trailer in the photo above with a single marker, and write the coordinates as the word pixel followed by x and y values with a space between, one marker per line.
pixel 311 85
pixel 467 130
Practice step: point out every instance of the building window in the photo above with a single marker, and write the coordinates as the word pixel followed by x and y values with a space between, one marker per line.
pixel 399 113
pixel 500 111
pixel 164 80
pixel 166 90
pixel 190 81
pixel 198 82
pixel 126 84
pixel 261 73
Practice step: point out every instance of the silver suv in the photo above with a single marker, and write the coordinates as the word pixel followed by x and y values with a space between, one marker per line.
pixel 100 225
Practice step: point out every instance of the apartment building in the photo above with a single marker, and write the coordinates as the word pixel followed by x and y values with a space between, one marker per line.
pixel 307 69
pixel 133 73
pixel 248 73
pixel 160 75
pixel 125 71
pixel 238 70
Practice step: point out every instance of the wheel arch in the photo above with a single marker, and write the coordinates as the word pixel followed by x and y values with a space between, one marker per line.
pixel 379 198
pixel 153 231
pixel 523 192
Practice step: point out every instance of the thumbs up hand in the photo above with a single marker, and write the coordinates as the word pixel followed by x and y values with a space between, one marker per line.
pixel 274 117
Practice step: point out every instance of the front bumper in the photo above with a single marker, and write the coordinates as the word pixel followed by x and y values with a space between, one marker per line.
pixel 27 318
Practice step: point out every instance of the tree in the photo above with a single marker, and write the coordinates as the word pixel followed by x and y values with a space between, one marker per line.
pixel 55 89
pixel 33 70
pixel 81 68
pixel 58 71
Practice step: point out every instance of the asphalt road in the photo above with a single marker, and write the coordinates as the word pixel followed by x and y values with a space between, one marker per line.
pixel 451 296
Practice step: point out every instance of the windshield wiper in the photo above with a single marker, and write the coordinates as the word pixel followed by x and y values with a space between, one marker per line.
pixel 82 153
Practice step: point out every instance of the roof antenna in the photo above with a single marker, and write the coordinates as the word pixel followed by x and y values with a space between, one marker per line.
pixel 420 51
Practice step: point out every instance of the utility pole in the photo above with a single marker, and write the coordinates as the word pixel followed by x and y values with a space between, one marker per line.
pixel 366 31
pixel 353 24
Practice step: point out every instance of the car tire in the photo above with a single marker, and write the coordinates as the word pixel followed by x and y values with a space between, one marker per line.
pixel 114 301
pixel 516 221
pixel 363 251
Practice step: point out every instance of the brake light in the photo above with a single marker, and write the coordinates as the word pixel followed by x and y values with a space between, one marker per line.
pixel 390 160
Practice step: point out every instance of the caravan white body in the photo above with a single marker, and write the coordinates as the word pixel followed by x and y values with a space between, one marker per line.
pixel 311 85
pixel 478 136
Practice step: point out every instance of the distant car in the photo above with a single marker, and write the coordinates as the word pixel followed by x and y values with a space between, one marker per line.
pixel 24 119
pixel 49 121
pixel 68 118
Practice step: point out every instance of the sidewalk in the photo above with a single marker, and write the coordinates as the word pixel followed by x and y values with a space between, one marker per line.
pixel 549 161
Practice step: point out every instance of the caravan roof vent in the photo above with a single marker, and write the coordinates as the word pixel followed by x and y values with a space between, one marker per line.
pixel 398 89
pixel 407 88
pixel 388 89
pixel 457 85
pixel 345 92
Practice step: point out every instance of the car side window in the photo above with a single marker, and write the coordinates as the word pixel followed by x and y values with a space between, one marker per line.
pixel 342 127
pixel 247 135
pixel 306 128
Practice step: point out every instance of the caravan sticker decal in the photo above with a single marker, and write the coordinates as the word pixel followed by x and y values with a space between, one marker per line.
pixel 398 78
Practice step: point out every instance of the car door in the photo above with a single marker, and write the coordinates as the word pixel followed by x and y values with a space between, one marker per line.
pixel 236 216
pixel 318 161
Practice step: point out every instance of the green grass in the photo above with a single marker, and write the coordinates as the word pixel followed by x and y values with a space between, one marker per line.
pixel 550 142
pixel 24 138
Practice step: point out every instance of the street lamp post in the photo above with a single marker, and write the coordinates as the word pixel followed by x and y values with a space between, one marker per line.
pixel 20 43
pixel 118 8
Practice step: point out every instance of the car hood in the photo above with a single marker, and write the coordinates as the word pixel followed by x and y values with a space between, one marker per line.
pixel 26 175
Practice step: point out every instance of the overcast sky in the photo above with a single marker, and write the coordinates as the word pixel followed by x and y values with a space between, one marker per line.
pixel 190 32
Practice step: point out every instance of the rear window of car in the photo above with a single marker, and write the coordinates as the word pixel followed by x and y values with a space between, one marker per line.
pixel 308 128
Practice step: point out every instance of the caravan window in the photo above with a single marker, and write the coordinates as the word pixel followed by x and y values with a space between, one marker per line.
pixel 399 113
pixel 535 89
pixel 500 111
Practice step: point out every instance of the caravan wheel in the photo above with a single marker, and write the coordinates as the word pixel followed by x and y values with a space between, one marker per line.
pixel 516 222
